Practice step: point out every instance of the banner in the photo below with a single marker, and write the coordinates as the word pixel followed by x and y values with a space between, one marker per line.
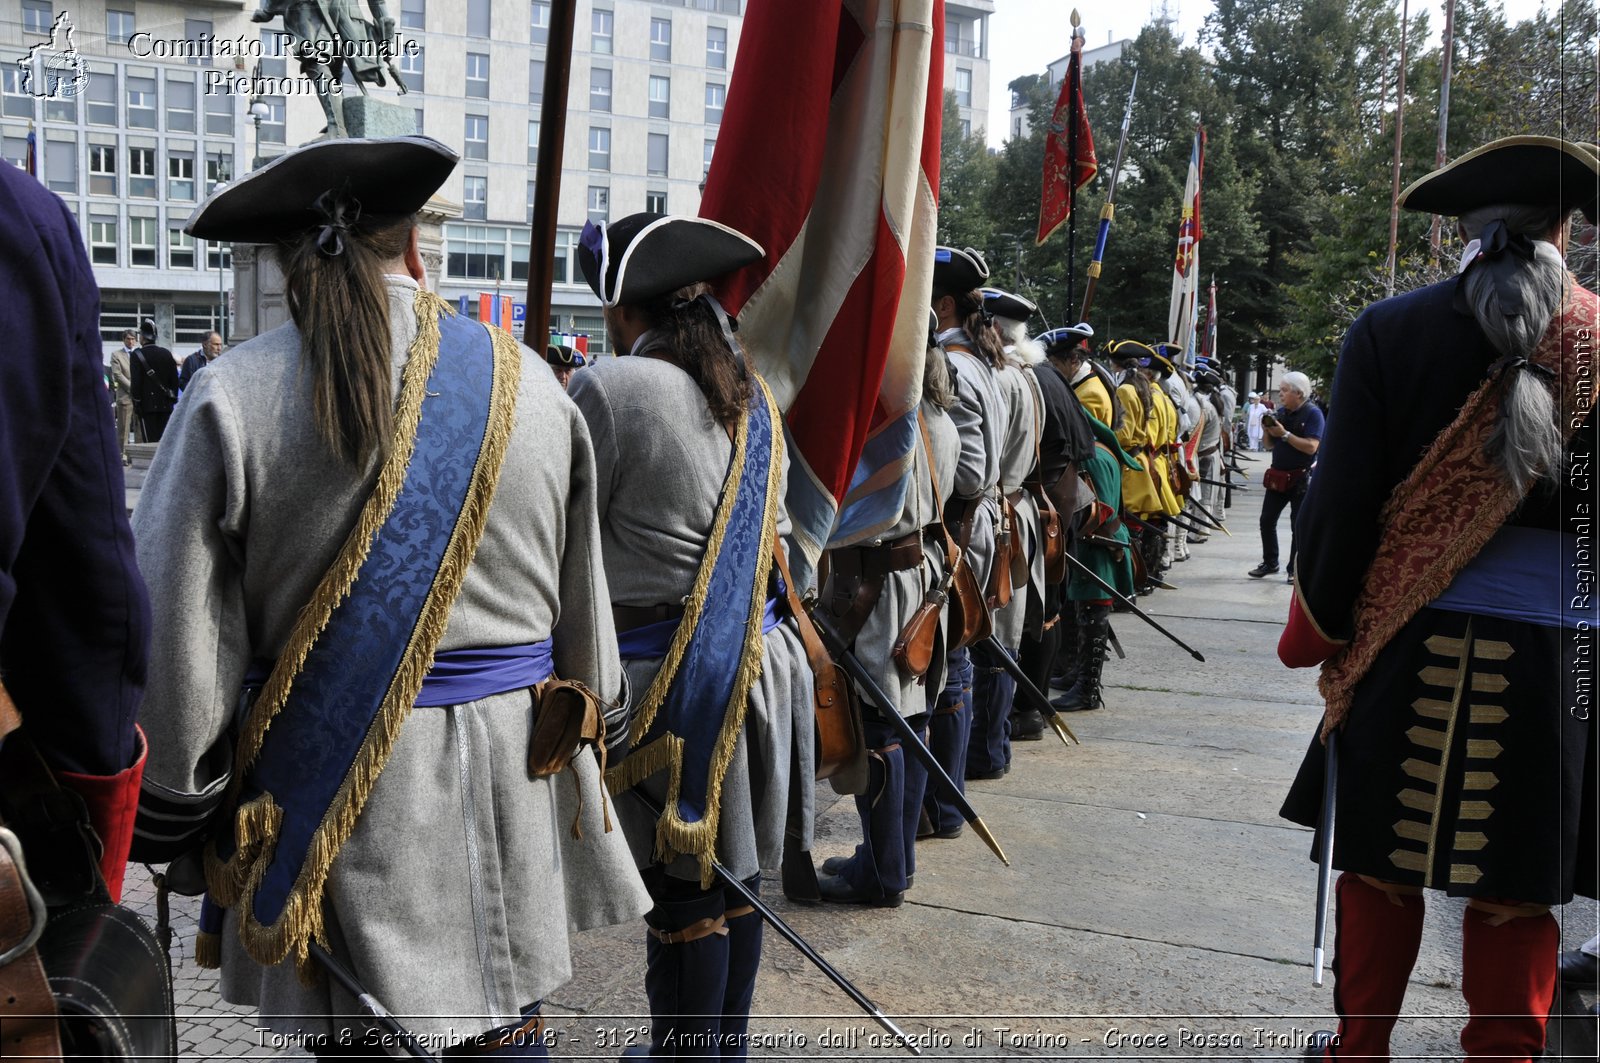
pixel 1064 175
pixel 1186 263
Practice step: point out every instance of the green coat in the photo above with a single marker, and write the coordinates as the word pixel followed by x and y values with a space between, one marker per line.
pixel 1104 467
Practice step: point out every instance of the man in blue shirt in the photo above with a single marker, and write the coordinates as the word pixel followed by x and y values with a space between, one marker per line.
pixel 1296 432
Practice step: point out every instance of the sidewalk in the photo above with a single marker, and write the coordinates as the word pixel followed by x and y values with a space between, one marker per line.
pixel 1156 907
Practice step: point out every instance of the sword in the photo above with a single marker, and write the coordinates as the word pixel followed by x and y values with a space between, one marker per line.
pixel 1220 483
pixel 1111 637
pixel 353 986
pixel 1209 516
pixel 1325 858
pixel 792 936
pixel 1034 695
pixel 909 739
pixel 1140 613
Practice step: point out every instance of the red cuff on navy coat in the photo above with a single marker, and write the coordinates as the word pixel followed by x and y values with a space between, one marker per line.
pixel 113 802
pixel 1302 644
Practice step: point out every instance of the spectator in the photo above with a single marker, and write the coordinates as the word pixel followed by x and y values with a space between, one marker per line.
pixel 155 383
pixel 120 380
pixel 1297 433
pixel 564 361
pixel 210 349
pixel 1252 421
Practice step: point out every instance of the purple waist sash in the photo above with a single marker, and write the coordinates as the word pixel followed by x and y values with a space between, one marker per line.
pixel 651 641
pixel 460 676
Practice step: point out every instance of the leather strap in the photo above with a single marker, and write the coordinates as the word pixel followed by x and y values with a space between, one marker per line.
pixel 10 717
pixel 700 928
pixel 952 552
pixel 27 1007
pixel 822 666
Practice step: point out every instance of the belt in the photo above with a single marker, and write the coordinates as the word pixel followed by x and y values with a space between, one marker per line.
pixel 1014 497
pixel 628 617
pixel 876 560
pixel 459 676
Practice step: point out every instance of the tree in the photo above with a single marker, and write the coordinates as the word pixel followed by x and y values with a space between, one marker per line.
pixel 966 181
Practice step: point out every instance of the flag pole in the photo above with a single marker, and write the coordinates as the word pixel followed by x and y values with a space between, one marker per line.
pixel 1074 73
pixel 1447 46
pixel 1399 135
pixel 547 174
pixel 1108 210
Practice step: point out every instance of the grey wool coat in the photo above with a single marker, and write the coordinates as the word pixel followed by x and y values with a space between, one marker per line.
pixel 903 591
pixel 980 416
pixel 454 898
pixel 1018 456
pixel 660 461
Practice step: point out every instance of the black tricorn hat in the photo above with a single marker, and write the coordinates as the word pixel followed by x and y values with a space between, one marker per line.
pixel 1004 304
pixel 957 270
pixel 647 255
pixel 387 179
pixel 1526 170
pixel 1129 352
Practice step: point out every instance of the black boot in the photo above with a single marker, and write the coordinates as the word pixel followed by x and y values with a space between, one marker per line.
pixel 1069 652
pixel 1085 693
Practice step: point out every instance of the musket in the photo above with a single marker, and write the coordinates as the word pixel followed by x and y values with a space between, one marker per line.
pixel 1213 518
pixel 909 739
pixel 1134 609
pixel 1325 857
pixel 1030 690
pixel 1109 209
pixel 1219 483
pixel 792 936
pixel 348 981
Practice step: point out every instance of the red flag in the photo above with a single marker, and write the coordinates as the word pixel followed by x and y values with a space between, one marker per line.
pixel 829 158
pixel 1064 175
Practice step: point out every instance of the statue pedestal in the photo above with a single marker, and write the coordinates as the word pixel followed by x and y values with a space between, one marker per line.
pixel 367 117
pixel 260 304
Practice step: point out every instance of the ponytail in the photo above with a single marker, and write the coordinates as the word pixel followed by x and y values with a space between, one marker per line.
pixel 979 326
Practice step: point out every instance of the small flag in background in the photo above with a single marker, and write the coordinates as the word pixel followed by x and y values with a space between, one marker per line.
pixel 1186 262
pixel 33 153
pixel 494 309
pixel 1064 174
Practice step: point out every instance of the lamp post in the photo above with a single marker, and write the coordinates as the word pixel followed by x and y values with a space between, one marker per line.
pixel 223 176
pixel 258 111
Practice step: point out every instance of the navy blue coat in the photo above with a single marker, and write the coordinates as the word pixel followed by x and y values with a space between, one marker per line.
pixel 74 619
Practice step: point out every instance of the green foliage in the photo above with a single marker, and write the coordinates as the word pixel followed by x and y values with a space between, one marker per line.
pixel 1297 98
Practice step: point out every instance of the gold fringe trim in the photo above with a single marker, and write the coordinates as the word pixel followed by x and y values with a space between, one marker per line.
pixel 1387 603
pixel 207 951
pixel 301 920
pixel 674 835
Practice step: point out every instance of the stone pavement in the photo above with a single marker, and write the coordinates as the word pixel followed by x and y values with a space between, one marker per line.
pixel 1156 907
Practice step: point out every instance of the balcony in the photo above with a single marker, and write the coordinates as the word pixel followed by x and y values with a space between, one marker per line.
pixel 968 48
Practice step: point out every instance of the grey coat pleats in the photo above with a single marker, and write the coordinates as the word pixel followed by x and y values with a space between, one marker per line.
pixel 454 898
pixel 979 416
pixel 661 461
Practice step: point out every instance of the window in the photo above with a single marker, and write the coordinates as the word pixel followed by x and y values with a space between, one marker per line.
pixel 477 137
pixel 966 127
pixel 475 198
pixel 102 169
pixel 660 97
pixel 141 241
pixel 566 260
pixel 533 142
pixel 219 168
pixel 37 16
pixel 716 97
pixel 219 255
pixel 103 239
pixel 717 47
pixel 273 130
pixel 273 61
pixel 61 108
pixel 475 252
pixel 18 104
pixel 219 113
pixel 711 146
pixel 142 173
pixel 141 102
pixel 180 105
pixel 100 98
pixel 963 87
pixel 656 166
pixel 478 75
pixel 180 175
pixel 539 24
pixel 536 81
pixel 418 113
pixel 61 165
pixel 661 40
pixel 599 148
pixel 520 239
pixel 411 68
pixel 191 322
pixel 531 191
pixel 595 328
pixel 199 31
pixel 413 14
pixel 599 204
pixel 180 248
pixel 14 151
pixel 478 18
pixel 655 202
pixel 599 89
pixel 600 23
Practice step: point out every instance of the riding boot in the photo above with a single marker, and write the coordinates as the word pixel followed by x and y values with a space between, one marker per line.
pixel 1069 652
pixel 1037 658
pixel 686 973
pixel 744 958
pixel 1085 693
pixel 1508 975
pixel 1376 936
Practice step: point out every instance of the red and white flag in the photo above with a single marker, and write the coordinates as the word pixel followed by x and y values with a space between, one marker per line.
pixel 829 158
pixel 1186 263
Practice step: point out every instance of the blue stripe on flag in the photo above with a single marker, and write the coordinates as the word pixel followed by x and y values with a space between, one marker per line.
pixel 877 494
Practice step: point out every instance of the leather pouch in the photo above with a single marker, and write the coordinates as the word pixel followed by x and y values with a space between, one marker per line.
pixel 568 719
pixel 913 649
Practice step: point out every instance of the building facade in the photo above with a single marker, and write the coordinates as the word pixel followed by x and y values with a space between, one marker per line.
pixel 180 97
pixel 1056 72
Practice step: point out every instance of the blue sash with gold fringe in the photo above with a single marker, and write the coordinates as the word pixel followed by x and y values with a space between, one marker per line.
pixel 323 726
pixel 715 655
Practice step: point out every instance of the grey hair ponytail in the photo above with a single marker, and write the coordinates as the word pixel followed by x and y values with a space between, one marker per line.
pixel 938 389
pixel 1514 292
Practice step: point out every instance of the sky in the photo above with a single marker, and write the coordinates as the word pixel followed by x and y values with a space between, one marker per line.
pixel 1027 35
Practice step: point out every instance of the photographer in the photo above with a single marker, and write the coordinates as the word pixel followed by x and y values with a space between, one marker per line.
pixel 1296 431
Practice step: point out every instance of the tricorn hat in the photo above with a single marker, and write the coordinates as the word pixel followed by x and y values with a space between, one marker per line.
pixel 1129 352
pixel 559 354
pixel 958 270
pixel 647 255
pixel 1066 338
pixel 147 329
pixel 339 182
pixel 1004 304
pixel 1531 170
